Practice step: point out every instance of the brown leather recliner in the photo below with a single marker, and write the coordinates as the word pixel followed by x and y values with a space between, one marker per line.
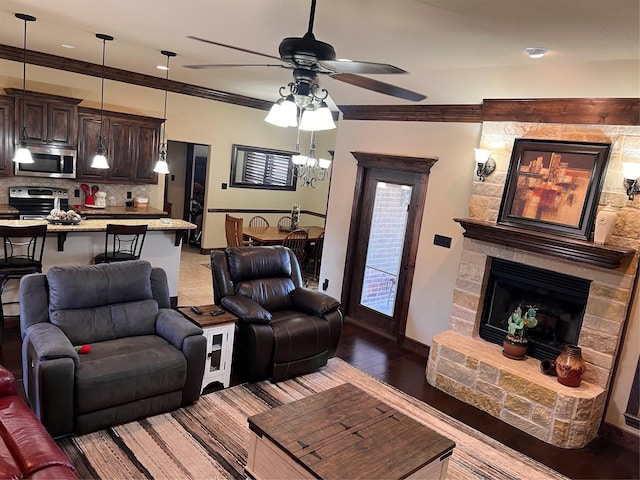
pixel 284 329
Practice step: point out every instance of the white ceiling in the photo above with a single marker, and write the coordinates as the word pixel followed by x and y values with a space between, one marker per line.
pixel 428 38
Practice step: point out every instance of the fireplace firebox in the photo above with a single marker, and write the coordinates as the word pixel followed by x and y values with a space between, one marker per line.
pixel 559 299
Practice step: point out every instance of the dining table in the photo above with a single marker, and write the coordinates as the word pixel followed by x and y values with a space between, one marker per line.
pixel 275 236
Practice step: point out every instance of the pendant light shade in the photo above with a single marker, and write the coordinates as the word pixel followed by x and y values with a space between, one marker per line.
pixel 22 154
pixel 100 158
pixel 162 167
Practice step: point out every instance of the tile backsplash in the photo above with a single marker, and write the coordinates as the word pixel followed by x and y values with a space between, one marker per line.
pixel 118 191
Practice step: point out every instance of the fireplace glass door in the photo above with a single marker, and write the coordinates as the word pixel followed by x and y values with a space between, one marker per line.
pixel 559 300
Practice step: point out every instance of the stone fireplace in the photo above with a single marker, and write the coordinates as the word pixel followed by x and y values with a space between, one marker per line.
pixel 472 368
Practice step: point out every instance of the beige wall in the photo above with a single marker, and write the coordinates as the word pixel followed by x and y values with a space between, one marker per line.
pixel 193 120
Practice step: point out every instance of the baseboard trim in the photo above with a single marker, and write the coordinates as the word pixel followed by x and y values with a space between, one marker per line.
pixel 620 437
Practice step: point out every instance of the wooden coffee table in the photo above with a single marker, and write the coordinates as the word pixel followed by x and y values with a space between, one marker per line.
pixel 343 433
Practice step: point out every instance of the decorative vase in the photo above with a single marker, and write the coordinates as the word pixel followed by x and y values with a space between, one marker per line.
pixel 548 367
pixel 514 347
pixel 570 366
pixel 605 221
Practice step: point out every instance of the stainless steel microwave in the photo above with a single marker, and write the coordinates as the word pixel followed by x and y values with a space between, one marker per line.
pixel 51 162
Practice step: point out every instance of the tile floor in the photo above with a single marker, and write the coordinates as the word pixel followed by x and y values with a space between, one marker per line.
pixel 194 281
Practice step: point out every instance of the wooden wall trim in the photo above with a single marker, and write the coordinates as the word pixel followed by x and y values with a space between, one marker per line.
pixel 394 162
pixel 591 111
pixel 414 113
pixel 8 52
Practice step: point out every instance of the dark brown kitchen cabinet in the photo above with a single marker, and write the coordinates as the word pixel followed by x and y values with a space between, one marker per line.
pixel 132 143
pixel 50 120
pixel 6 135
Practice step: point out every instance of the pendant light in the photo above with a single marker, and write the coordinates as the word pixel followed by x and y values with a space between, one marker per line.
pixel 23 155
pixel 100 159
pixel 161 164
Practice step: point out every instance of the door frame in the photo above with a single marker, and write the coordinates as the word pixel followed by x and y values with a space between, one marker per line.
pixel 419 165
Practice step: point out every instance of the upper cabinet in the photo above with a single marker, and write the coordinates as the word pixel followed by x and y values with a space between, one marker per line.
pixel 6 135
pixel 50 120
pixel 132 144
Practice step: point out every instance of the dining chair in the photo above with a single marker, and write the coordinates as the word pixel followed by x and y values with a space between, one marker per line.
pixel 23 251
pixel 297 241
pixel 233 231
pixel 258 222
pixel 122 242
pixel 284 223
pixel 314 256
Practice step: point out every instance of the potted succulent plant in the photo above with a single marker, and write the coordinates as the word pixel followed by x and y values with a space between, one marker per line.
pixel 515 343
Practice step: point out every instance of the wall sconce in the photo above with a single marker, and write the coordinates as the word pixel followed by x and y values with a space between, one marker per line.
pixel 485 165
pixel 631 173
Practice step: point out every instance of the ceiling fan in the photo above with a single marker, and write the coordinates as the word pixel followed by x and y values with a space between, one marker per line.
pixel 308 57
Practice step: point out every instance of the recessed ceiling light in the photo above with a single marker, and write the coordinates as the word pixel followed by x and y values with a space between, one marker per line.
pixel 64 45
pixel 162 67
pixel 536 52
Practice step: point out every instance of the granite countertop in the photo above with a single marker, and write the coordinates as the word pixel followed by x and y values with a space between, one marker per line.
pixel 5 208
pixel 122 211
pixel 100 225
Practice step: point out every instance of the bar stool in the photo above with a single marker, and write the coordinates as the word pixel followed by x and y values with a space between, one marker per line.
pixel 123 242
pixel 23 250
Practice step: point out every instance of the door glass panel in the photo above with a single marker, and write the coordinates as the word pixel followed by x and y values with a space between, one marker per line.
pixel 386 241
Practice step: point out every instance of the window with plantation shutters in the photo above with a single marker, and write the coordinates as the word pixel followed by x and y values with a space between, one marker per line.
pixel 253 167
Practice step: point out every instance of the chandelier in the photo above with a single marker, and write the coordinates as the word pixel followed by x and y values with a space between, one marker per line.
pixel 310 169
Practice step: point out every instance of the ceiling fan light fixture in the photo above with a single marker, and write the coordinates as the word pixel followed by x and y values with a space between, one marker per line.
pixel 315 119
pixel 536 52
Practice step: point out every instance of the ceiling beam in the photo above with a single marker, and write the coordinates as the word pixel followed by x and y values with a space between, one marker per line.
pixel 15 54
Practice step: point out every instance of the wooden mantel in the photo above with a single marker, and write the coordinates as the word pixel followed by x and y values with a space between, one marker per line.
pixel 606 256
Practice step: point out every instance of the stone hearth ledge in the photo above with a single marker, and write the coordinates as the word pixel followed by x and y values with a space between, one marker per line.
pixel 517 392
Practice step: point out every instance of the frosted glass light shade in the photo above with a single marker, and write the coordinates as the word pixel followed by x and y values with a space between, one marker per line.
pixel 631 170
pixel 99 161
pixel 299 159
pixel 161 167
pixel 324 163
pixel 317 120
pixel 23 155
pixel 283 113
pixel 482 155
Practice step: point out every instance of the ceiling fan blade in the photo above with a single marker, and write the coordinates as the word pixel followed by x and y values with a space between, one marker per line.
pixel 349 66
pixel 225 65
pixel 378 86
pixel 234 48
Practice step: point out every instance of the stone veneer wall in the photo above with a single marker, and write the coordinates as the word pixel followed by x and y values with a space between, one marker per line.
pixel 461 371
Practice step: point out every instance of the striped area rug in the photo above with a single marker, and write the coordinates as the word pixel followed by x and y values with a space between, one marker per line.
pixel 208 440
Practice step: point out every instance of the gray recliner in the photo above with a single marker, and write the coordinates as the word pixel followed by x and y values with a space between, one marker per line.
pixel 145 358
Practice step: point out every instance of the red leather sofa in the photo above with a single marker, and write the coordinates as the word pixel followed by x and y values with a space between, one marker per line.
pixel 26 449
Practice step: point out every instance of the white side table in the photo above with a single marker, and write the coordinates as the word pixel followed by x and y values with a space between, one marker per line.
pixel 219 331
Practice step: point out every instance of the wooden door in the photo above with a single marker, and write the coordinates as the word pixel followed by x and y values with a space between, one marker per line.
pixel 383 240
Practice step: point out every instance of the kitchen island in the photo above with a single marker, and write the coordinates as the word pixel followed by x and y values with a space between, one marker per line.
pixel 121 212
pixel 78 244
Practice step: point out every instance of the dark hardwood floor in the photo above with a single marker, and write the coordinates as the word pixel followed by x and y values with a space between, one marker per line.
pixel 384 359
pixel 405 370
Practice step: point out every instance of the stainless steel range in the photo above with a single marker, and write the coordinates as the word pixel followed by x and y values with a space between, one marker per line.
pixel 37 202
